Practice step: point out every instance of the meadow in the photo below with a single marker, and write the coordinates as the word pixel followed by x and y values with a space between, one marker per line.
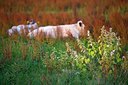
pixel 99 57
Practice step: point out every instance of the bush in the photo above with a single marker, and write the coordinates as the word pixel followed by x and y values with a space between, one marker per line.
pixel 98 62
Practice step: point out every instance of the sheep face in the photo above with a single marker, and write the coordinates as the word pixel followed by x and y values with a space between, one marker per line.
pixel 80 25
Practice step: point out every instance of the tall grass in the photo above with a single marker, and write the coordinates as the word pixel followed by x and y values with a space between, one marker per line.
pixel 86 61
pixel 93 13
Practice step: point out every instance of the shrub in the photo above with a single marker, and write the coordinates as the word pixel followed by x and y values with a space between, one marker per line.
pixel 99 60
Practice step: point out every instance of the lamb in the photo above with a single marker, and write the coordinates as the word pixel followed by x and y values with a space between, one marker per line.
pixel 22 29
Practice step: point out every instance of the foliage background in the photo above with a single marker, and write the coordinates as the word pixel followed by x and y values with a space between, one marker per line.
pixel 95 14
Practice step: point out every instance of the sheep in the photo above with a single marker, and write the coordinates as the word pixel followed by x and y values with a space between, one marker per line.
pixel 12 30
pixel 64 30
pixel 73 29
pixel 22 28
pixel 32 25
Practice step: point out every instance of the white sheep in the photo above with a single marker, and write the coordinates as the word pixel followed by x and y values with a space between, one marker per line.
pixel 64 30
pixel 22 28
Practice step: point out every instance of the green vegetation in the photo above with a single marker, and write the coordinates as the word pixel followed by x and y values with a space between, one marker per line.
pixel 60 62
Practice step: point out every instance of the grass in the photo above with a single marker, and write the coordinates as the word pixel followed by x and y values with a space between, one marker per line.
pixel 19 71
pixel 24 62
pixel 31 70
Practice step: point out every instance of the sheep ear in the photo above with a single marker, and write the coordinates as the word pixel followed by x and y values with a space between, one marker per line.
pixel 28 22
pixel 80 24
pixel 38 22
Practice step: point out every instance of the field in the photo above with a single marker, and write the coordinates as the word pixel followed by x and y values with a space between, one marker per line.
pixel 100 57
